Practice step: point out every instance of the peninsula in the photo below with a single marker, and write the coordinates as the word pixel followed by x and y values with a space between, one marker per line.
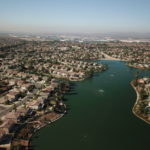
pixel 142 106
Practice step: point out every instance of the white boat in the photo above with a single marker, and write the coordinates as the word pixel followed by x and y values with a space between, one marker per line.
pixel 101 90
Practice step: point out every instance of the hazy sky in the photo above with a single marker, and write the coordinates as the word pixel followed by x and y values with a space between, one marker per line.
pixel 90 16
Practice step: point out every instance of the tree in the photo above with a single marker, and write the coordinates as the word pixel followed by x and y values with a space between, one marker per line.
pixel 14 107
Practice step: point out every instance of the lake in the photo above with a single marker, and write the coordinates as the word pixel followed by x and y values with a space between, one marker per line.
pixel 100 115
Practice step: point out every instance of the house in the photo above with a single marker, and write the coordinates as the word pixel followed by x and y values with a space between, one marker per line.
pixel 7 127
pixel 39 104
pixel 22 111
pixel 3 99
pixel 141 81
pixel 13 95
pixel 14 116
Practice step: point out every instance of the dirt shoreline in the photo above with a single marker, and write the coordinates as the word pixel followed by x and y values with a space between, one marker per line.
pixel 32 127
pixel 36 130
pixel 107 57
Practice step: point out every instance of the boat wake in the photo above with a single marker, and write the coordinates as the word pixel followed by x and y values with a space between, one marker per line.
pixel 101 91
pixel 112 75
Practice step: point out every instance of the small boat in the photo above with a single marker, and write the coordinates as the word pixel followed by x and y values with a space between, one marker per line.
pixel 101 90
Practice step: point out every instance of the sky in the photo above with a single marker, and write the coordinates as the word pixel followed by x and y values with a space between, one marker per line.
pixel 75 16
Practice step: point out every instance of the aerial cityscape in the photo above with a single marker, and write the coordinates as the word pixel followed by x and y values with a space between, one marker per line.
pixel 74 75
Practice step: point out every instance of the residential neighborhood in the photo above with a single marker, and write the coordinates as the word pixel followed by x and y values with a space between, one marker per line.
pixel 34 76
pixel 136 54
pixel 74 74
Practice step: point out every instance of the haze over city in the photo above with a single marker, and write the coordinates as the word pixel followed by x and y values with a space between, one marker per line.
pixel 75 16
pixel 74 74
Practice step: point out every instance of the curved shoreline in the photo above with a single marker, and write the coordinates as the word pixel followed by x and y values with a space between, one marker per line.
pixel 36 130
pixel 34 126
pixel 137 100
pixel 61 115
pixel 138 67
pixel 107 57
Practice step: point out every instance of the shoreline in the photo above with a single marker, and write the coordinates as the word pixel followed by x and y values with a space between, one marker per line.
pixel 57 118
pixel 137 100
pixel 107 57
pixel 38 129
pixel 28 129
pixel 111 59
pixel 138 67
pixel 33 127
pixel 61 115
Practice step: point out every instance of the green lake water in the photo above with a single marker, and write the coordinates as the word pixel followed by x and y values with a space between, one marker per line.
pixel 100 115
